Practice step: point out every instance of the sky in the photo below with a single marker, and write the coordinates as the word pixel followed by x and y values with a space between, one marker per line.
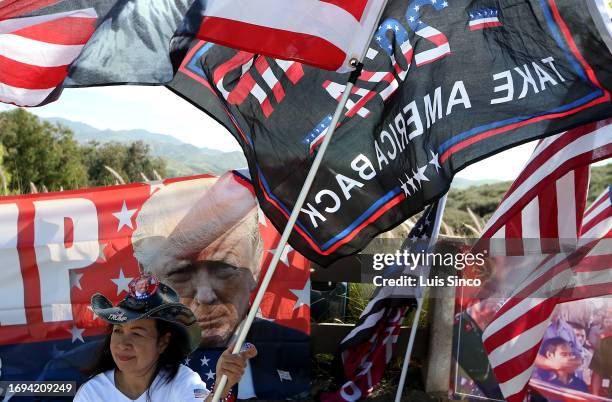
pixel 156 109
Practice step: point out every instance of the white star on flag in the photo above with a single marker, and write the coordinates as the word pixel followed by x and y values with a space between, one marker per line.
pixel 210 375
pixel 285 254
pixel 77 333
pixel 434 161
pixel 419 175
pixel 187 360
pixel 125 217
pixel 122 282
pixel 204 361
pixel 404 187
pixel 75 279
pixel 303 295
pixel 410 180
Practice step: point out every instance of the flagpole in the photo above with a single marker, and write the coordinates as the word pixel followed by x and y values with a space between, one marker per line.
pixel 244 330
pixel 417 314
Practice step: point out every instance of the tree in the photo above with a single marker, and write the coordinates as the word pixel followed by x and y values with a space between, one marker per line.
pixel 127 160
pixel 39 152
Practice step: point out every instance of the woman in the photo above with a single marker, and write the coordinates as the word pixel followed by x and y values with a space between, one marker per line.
pixel 150 336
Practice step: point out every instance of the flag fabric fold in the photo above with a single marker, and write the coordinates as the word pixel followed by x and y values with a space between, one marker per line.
pixel 367 349
pixel 547 202
pixel 324 34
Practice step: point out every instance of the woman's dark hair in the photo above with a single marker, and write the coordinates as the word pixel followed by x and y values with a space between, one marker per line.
pixel 169 360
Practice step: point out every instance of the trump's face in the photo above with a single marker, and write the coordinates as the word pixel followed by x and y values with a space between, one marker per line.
pixel 218 294
pixel 202 238
pixel 217 285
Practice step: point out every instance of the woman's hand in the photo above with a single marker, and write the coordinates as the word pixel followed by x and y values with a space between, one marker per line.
pixel 233 366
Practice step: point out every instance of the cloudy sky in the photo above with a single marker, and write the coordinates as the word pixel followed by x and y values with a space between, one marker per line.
pixel 158 110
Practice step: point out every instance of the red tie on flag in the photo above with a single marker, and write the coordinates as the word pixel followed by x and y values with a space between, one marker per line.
pixel 322 33
pixel 35 52
pixel 545 203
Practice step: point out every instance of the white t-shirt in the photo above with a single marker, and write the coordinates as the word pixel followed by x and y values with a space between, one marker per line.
pixel 187 386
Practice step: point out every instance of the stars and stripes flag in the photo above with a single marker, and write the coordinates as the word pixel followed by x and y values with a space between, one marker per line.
pixel 47 45
pixel 367 349
pixel 547 200
pixel 321 33
pixel 57 249
pixel 542 209
pixel 36 51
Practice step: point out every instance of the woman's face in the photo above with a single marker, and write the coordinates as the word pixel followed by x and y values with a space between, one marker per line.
pixel 136 346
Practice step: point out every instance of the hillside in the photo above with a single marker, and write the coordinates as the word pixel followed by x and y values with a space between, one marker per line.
pixel 182 159
pixel 481 196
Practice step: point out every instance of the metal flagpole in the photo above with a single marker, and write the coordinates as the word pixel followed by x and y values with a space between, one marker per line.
pixel 417 314
pixel 299 202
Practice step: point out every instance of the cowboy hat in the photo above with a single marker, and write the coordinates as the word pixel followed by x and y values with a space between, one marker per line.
pixel 149 299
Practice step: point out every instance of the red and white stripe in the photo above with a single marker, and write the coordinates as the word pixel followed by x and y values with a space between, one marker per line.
pixel 597 220
pixel 322 33
pixel 481 23
pixel 545 201
pixel 439 39
pixel 513 337
pixel 549 190
pixel 35 53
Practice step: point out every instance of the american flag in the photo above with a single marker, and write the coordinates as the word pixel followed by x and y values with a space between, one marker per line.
pixel 316 136
pixel 35 52
pixel 322 33
pixel 484 18
pixel 536 210
pixel 547 200
pixel 367 349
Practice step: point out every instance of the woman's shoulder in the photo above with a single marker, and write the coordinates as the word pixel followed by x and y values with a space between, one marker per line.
pixel 93 387
pixel 188 384
pixel 185 373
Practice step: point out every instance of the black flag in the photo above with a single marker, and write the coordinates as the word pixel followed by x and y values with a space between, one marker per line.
pixel 445 84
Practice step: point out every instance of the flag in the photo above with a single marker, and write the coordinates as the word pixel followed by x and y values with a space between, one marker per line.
pixel 58 249
pixel 421 110
pixel 367 349
pixel 35 53
pixel 547 201
pixel 51 45
pixel 542 208
pixel 325 34
pixel 48 45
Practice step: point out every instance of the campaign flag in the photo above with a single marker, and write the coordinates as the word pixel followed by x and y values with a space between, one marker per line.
pixel 547 201
pixel 367 349
pixel 444 84
pixel 324 34
pixel 58 249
